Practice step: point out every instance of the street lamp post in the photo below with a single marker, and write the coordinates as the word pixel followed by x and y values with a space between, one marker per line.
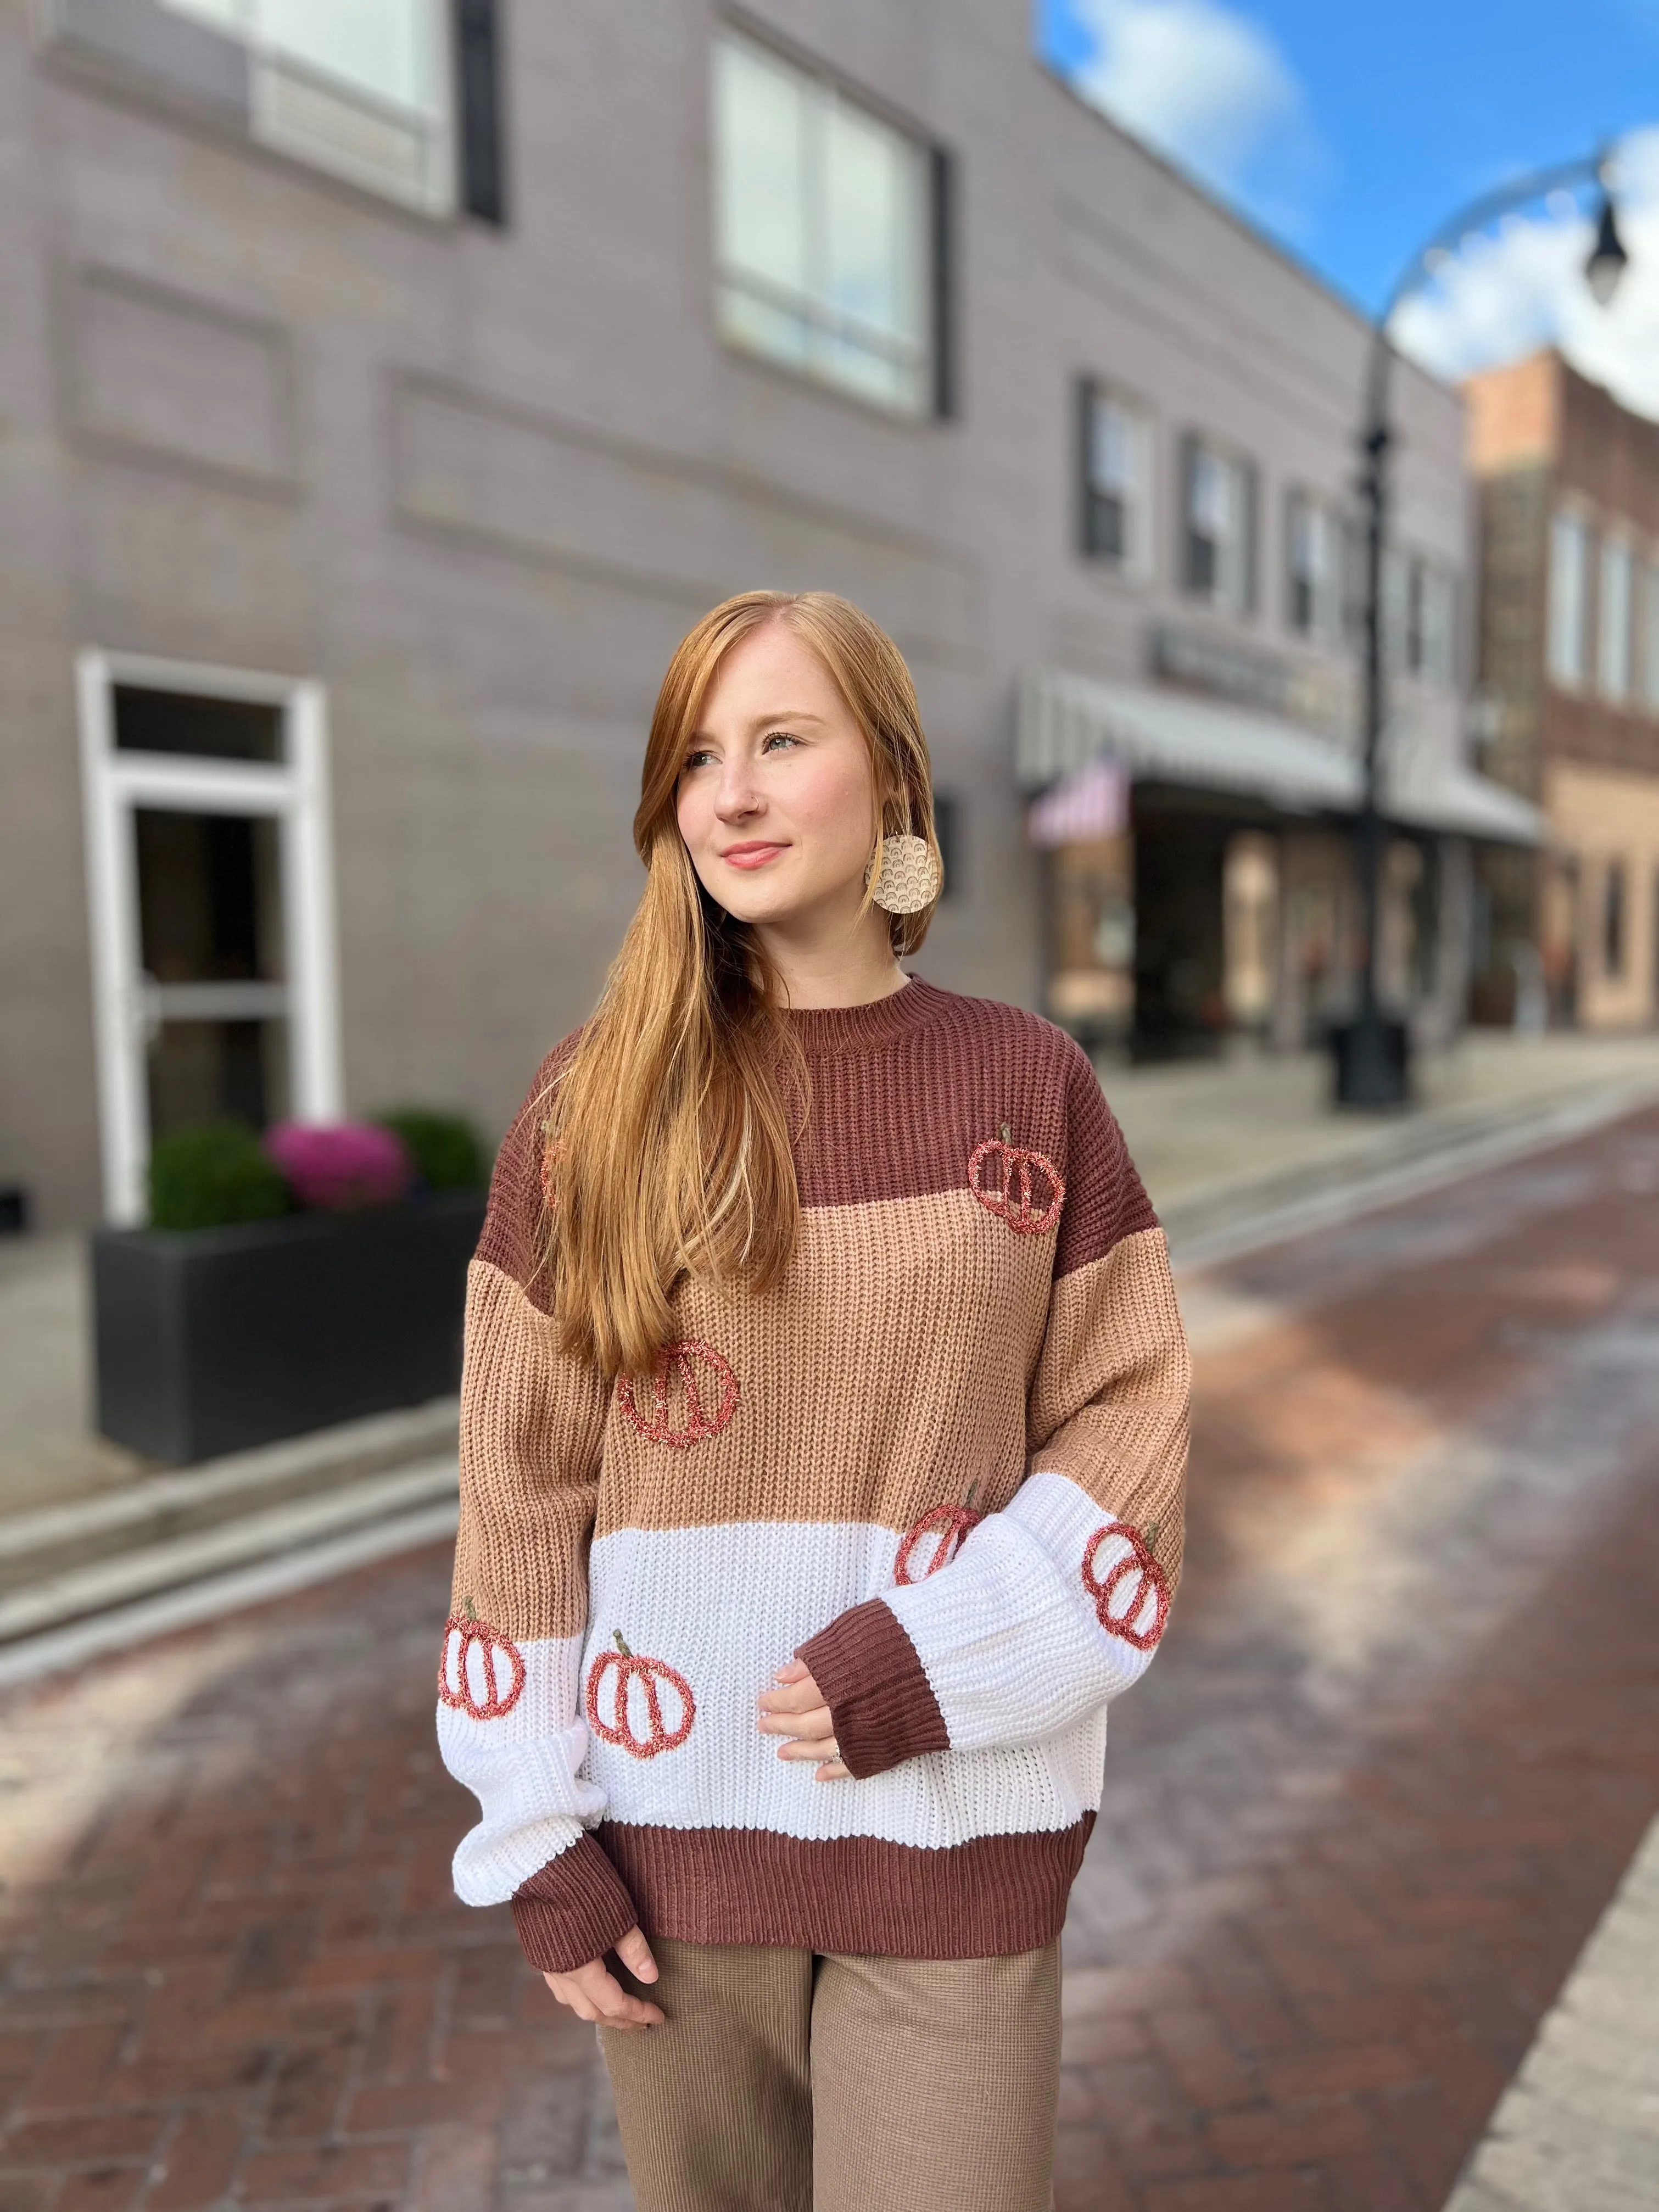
pixel 1372 1055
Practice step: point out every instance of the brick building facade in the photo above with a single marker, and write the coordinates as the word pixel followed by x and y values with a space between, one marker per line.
pixel 1569 656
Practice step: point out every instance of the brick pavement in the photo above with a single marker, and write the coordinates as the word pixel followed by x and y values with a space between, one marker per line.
pixel 1358 1821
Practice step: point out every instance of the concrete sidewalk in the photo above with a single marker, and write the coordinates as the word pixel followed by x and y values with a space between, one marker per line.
pixel 1208 1131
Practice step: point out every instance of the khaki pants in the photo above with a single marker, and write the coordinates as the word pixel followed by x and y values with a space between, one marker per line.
pixel 786 2080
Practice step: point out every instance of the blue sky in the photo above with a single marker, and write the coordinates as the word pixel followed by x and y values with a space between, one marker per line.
pixel 1351 131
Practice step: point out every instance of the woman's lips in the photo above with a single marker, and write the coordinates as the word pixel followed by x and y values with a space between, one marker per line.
pixel 751 856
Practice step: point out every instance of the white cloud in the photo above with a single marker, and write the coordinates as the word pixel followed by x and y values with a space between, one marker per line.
pixel 1209 87
pixel 1523 286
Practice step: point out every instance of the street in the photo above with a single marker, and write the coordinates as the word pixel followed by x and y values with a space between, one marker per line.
pixel 1397 1750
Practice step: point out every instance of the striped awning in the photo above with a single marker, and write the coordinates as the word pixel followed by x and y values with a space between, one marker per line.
pixel 1065 722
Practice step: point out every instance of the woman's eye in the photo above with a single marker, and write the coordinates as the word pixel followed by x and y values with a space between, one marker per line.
pixel 778 737
pixel 696 760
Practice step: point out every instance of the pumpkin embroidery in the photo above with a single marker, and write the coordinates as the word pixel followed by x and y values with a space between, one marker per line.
pixel 634 1667
pixel 482 1671
pixel 948 1523
pixel 1135 1578
pixel 690 1424
pixel 1022 1187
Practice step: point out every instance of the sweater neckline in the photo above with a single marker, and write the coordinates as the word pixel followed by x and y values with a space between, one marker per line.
pixel 845 1029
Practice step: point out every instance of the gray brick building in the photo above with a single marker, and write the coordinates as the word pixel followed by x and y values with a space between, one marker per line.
pixel 383 390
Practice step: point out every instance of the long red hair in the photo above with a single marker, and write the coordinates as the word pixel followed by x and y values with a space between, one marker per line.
pixel 670 1126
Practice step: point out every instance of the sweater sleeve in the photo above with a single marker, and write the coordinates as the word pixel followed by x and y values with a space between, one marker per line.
pixel 509 1719
pixel 1055 1604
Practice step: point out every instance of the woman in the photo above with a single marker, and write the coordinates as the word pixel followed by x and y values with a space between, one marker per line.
pixel 823 1430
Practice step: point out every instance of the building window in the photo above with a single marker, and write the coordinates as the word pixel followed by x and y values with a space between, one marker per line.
pixel 1612 625
pixel 825 219
pixel 1647 597
pixel 1612 919
pixel 1219 526
pixel 1426 646
pixel 1315 554
pixel 1117 481
pixel 363 91
pixel 1569 567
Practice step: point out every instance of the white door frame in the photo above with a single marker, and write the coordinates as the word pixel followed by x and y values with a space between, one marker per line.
pixel 295 791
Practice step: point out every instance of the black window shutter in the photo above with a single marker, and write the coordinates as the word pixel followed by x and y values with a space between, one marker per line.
pixel 1250 489
pixel 1083 418
pixel 480 102
pixel 946 396
pixel 1186 483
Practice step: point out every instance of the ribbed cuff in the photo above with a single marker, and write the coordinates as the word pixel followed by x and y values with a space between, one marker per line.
pixel 575 1908
pixel 878 1695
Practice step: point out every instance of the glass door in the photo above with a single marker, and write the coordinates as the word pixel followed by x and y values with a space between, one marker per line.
pixel 211 902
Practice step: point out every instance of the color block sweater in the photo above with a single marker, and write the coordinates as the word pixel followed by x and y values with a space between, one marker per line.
pixel 942 1463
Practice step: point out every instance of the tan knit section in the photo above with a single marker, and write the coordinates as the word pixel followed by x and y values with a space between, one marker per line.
pixel 887 1373
pixel 532 1420
pixel 1108 1405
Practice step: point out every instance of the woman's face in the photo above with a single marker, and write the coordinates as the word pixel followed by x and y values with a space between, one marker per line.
pixel 776 791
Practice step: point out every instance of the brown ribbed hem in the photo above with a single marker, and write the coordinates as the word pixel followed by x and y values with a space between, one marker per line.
pixel 857 1894
pixel 878 1695
pixel 574 1910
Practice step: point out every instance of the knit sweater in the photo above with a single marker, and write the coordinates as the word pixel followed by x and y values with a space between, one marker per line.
pixel 941 1463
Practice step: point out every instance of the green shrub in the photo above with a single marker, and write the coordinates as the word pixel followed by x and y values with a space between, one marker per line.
pixel 212 1173
pixel 444 1147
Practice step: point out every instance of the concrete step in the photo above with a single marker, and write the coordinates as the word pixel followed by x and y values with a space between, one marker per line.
pixel 253 1536
pixel 45 1547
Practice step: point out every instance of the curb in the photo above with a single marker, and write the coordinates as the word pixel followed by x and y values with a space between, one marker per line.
pixel 1205 1230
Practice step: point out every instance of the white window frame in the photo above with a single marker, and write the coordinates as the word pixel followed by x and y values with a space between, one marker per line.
pixel 1428 620
pixel 1139 495
pixel 285 86
pixel 294 793
pixel 1567 597
pixel 1229 589
pixel 1305 510
pixel 1647 604
pixel 822 319
pixel 1615 580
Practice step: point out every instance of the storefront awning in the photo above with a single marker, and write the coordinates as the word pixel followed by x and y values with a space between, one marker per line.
pixel 1065 720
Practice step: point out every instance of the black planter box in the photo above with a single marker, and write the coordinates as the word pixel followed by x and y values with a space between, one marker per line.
pixel 213 1340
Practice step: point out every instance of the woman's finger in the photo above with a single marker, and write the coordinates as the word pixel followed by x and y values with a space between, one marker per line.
pixel 619 2009
pixel 793 1697
pixel 833 1771
pixel 817 1746
pixel 815 1721
pixel 635 1954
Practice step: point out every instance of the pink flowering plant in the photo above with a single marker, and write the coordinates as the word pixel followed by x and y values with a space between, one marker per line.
pixel 339 1166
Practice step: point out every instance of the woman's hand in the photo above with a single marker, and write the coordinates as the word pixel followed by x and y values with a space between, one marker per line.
pixel 797 1711
pixel 594 1992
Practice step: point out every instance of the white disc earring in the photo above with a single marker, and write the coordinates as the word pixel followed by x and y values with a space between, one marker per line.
pixel 908 876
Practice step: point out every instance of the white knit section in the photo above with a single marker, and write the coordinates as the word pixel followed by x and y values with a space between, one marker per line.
pixel 1007 1631
pixel 524 1770
pixel 723 1605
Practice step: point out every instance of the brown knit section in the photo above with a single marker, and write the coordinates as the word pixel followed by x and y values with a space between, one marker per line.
pixel 904 1090
pixel 1110 1404
pixel 574 1910
pixel 981 1899
pixel 887 1372
pixel 532 1421
pixel 895 1123
pixel 514 1234
pixel 878 1695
